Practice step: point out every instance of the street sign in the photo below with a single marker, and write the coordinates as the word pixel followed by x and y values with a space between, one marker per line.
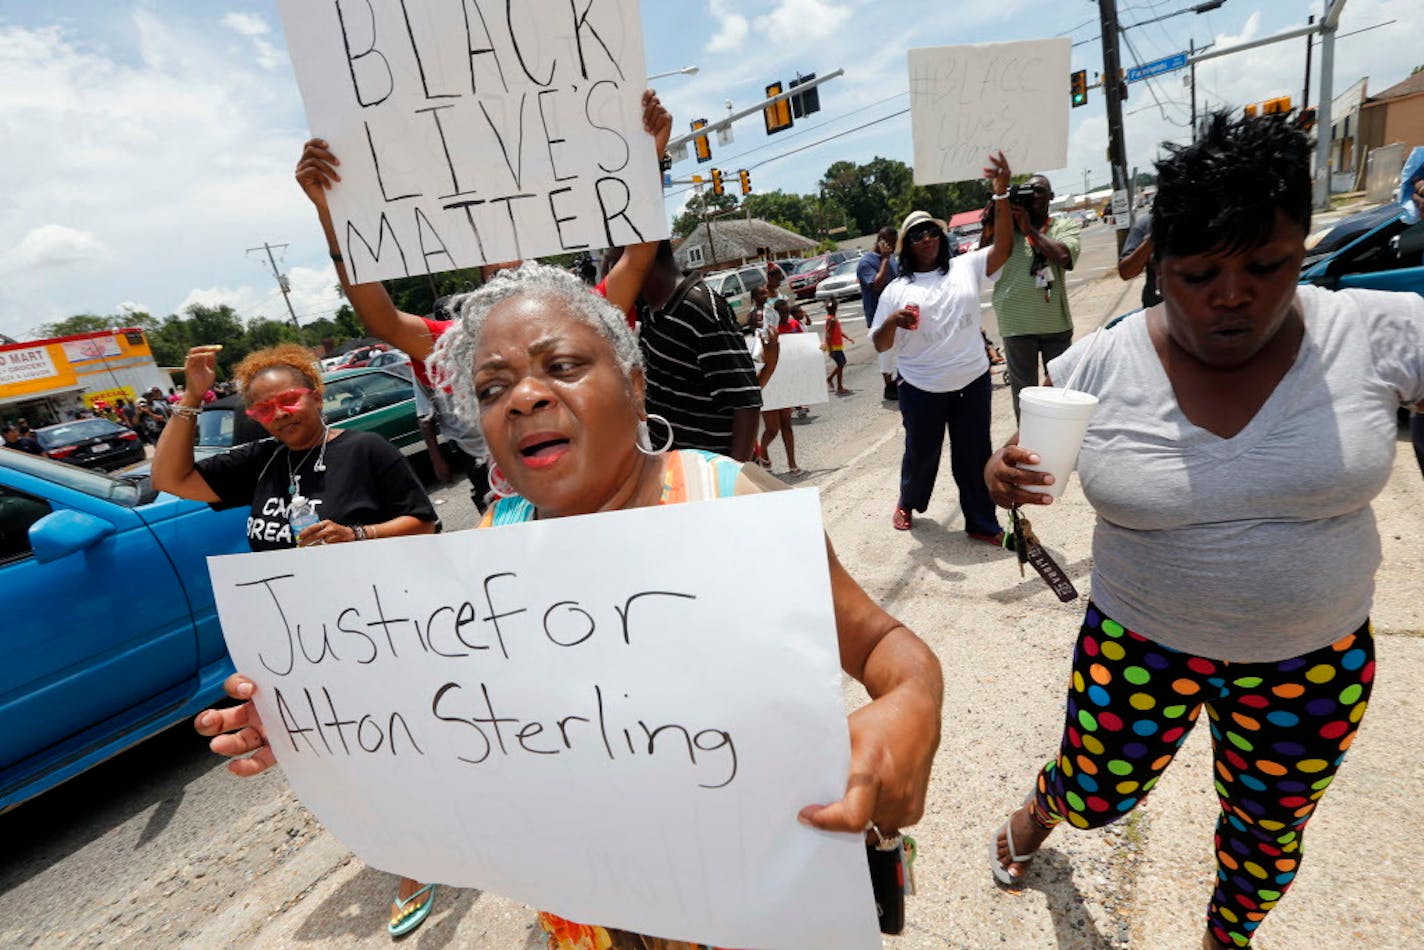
pixel 1157 67
pixel 1120 210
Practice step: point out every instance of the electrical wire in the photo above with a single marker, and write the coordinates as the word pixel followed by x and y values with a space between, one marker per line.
pixel 830 122
pixel 774 158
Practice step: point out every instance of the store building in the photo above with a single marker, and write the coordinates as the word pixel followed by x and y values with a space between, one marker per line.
pixel 45 381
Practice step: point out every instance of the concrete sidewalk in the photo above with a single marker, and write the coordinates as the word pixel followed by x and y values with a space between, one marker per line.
pixel 1005 643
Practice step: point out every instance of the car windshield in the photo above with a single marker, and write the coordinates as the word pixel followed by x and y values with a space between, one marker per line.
pixel 814 263
pixel 846 269
pixel 92 483
pixel 216 426
pixel 365 392
pixel 80 429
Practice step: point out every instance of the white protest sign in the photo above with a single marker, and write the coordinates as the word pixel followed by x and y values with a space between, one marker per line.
pixel 969 101
pixel 800 375
pixel 472 131
pixel 598 716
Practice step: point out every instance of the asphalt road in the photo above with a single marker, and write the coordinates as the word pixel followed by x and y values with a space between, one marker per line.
pixel 162 847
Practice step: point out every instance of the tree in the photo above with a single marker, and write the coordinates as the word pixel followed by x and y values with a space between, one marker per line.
pixel 684 223
pixel 92 323
pixel 793 212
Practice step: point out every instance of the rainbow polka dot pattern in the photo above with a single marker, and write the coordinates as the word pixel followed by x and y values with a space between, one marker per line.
pixel 1279 732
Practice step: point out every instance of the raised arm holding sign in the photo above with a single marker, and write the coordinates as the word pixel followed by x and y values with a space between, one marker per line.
pixel 478 132
pixel 541 654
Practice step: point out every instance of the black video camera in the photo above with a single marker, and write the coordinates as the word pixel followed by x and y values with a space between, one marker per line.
pixel 1021 194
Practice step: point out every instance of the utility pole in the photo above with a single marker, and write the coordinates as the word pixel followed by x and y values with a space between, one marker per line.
pixel 1191 52
pixel 282 284
pixel 1309 45
pixel 1329 25
pixel 1085 184
pixel 706 223
pixel 1112 87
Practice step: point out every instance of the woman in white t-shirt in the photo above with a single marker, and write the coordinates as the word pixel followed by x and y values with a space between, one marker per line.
pixel 1244 425
pixel 929 316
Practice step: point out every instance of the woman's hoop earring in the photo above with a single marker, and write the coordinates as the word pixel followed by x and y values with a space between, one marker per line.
pixel 499 485
pixel 645 437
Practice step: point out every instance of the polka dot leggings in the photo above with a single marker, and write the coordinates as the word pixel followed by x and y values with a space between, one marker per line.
pixel 1279 731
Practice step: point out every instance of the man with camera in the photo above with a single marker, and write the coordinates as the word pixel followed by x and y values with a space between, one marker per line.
pixel 1031 297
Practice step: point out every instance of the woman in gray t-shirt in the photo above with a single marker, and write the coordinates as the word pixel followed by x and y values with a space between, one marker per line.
pixel 1244 426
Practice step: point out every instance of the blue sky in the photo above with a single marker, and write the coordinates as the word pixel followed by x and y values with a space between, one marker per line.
pixel 149 143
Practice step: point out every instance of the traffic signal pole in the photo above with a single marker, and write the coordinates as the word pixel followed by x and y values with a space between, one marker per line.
pixel 1112 90
pixel 683 140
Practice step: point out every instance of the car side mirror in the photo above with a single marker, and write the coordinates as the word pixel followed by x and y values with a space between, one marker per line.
pixel 66 532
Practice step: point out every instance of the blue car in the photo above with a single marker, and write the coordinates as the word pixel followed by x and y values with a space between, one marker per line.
pixel 110 631
pixel 1374 250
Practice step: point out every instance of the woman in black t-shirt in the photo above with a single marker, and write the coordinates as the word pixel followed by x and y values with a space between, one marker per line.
pixel 356 483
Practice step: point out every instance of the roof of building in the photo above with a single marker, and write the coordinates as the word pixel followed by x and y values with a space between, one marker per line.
pixel 1411 86
pixel 739 238
pixel 964 217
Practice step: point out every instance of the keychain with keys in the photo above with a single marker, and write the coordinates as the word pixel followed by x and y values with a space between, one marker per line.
pixel 1030 551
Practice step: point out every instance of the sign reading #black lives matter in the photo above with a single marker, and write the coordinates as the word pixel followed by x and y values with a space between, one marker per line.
pixel 598 716
pixel 476 131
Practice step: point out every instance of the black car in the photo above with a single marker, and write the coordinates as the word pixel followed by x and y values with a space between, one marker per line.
pixel 91 443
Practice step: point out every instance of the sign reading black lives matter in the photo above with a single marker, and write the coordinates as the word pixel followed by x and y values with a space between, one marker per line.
pixel 473 131
pixel 597 716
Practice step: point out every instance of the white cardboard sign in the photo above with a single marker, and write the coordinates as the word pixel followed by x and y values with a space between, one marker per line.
pixel 800 375
pixel 472 131
pixel 969 101
pixel 598 716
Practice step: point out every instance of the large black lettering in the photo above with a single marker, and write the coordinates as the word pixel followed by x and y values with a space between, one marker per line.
pixel 352 58
pixel 560 221
pixel 515 164
pixel 495 616
pixel 422 225
pixel 290 724
pixel 474 51
pixel 354 234
pixel 626 610
pixel 357 632
pixel 419 61
pixel 380 179
pixel 549 140
pixel 287 627
pixel 435 711
pixel 581 26
pixel 622 212
pixel 519 53
pixel 588 114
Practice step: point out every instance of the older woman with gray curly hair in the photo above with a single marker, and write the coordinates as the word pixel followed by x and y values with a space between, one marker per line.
pixel 554 376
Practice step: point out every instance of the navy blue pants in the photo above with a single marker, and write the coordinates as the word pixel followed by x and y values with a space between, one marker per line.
pixel 964 415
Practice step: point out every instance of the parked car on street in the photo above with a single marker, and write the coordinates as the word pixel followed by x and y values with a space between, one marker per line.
pixel 91 443
pixel 736 287
pixel 842 284
pixel 1374 249
pixel 389 358
pixel 966 237
pixel 111 635
pixel 813 270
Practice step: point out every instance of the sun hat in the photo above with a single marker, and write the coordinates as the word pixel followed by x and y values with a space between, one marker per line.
pixel 914 219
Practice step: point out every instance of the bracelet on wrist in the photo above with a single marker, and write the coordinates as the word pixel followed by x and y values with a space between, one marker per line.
pixel 1001 197
pixel 359 530
pixel 186 412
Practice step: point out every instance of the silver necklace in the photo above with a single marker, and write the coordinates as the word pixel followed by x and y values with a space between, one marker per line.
pixel 294 478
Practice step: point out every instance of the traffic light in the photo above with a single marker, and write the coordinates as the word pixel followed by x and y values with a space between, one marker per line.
pixel 1251 111
pixel 1078 86
pixel 805 103
pixel 701 143
pixel 778 114
pixel 717 181
pixel 1277 105
pixel 746 178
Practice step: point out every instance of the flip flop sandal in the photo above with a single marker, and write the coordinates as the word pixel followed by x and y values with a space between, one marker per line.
pixel 795 472
pixel 1001 873
pixel 408 916
pixel 902 519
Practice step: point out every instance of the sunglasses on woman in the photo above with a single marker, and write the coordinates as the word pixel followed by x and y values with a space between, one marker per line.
pixel 921 236
pixel 266 410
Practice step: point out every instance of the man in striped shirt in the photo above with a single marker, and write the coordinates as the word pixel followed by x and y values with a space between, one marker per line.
pixel 700 375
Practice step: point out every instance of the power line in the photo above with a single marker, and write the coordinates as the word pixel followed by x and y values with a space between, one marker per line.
pixel 774 158
pixel 822 125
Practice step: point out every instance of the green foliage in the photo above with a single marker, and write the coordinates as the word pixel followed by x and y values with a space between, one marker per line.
pixel 418 294
pixel 685 223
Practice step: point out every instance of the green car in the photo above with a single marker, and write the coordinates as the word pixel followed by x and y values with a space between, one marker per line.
pixel 376 399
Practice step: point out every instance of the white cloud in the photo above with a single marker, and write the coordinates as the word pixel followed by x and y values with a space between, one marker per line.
pixel 55 245
pixel 313 293
pixel 246 24
pixel 732 29
pixel 804 21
